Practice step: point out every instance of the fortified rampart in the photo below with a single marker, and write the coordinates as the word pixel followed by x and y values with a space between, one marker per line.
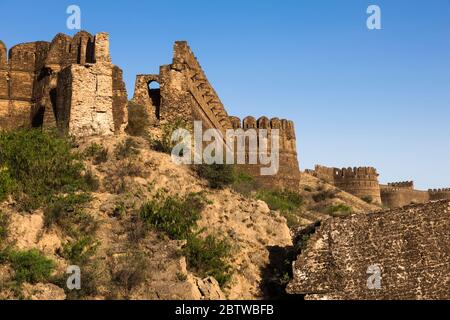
pixel 406 249
pixel 438 194
pixel 68 82
pixel 288 173
pixel 185 93
pixel 361 182
pixel 400 194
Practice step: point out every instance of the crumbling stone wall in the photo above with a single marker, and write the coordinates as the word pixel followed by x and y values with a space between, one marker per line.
pixel 409 245
pixel 185 93
pixel 361 182
pixel 29 81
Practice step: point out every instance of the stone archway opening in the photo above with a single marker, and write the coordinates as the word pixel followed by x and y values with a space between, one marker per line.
pixel 154 92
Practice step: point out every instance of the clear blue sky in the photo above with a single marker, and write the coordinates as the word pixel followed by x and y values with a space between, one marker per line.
pixel 358 97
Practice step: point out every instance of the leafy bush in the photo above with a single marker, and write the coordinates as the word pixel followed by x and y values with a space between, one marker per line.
pixel 41 164
pixel 287 202
pixel 80 251
pixel 138 120
pixel 7 184
pixel 30 266
pixel 92 181
pixel 284 201
pixel 208 257
pixel 131 271
pixel 128 148
pixel 67 211
pixel 324 195
pixel 244 183
pixel 165 144
pixel 368 199
pixel 339 210
pixel 97 153
pixel 217 175
pixel 4 225
pixel 175 216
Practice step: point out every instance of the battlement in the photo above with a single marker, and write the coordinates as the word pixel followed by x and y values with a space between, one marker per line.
pixel 402 184
pixel 285 126
pixel 355 173
pixel 439 190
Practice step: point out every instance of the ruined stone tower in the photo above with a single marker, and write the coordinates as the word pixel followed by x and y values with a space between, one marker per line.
pixel 185 93
pixel 69 83
pixel 361 182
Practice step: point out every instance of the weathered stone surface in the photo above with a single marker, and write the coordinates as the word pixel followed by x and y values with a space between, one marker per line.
pixel 43 291
pixel 31 80
pixel 410 245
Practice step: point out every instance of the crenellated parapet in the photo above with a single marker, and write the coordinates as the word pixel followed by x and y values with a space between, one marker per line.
pixel 359 181
pixel 288 174
pixel 402 184
pixel 286 130
pixel 439 194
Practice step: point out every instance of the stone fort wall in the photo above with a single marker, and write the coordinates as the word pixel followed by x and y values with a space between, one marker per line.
pixel 38 85
pixel 185 93
pixel 361 182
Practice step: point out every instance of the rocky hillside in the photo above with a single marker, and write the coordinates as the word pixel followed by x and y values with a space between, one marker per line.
pixel 141 227
pixel 132 260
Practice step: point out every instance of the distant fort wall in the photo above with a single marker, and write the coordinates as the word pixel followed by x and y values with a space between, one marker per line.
pixel 361 182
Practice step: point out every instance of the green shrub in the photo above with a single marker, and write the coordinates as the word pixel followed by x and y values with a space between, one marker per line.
pixel 164 143
pixel 131 272
pixel 67 211
pixel 92 181
pixel 4 226
pixel 208 256
pixel 41 164
pixel 244 183
pixel 175 216
pixel 287 202
pixel 324 195
pixel 138 120
pixel 7 184
pixel 127 149
pixel 30 266
pixel 339 210
pixel 97 153
pixel 217 175
pixel 368 199
pixel 80 251
pixel 283 201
